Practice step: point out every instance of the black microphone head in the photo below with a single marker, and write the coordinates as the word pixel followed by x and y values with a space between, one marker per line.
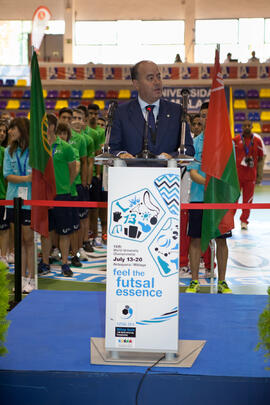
pixel 111 110
pixel 185 92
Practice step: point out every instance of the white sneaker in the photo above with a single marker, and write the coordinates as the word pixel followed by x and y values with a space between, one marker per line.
pixel 30 286
pixel 56 254
pixel 24 282
pixel 244 226
pixel 3 259
pixel 207 273
pixel 83 255
pixel 97 242
pixel 11 258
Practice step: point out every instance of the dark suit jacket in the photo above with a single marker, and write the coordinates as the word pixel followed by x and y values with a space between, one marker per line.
pixel 129 124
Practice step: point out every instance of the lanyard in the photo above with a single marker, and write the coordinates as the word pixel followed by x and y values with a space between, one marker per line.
pixel 247 148
pixel 22 172
pixel 54 148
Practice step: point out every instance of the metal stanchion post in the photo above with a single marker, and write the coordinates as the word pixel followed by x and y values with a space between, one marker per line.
pixel 18 248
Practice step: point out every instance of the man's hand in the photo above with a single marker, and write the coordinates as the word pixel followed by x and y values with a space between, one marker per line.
pixel 164 155
pixel 125 156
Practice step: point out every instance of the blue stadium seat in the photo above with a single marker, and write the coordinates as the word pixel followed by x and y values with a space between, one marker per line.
pixel 239 116
pixel 76 94
pixel 26 94
pixel 73 103
pixel 252 93
pixel 10 82
pixel 25 105
pixel 134 94
pixel 239 94
pixel 237 128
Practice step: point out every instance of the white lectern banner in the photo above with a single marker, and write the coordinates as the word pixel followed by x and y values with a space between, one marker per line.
pixel 142 291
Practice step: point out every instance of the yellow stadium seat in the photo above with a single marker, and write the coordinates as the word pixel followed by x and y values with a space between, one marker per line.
pixel 256 127
pixel 28 115
pixel 124 93
pixel 264 93
pixel 13 105
pixel 21 82
pixel 61 104
pixel 88 93
pixel 239 104
pixel 100 103
pixel 44 93
pixel 265 116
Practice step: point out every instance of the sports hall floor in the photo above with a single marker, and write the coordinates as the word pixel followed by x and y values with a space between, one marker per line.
pixel 248 270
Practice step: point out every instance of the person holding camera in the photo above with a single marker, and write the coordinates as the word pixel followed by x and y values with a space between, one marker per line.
pixel 249 153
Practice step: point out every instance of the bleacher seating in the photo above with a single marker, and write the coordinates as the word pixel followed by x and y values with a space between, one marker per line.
pixel 9 82
pixel 253 104
pixel 5 94
pixel 124 93
pixel 266 128
pixel 256 127
pixel 73 103
pixel 17 94
pixel 1 82
pixel 265 104
pixel 100 103
pixel 265 93
pixel 52 94
pixel 76 94
pixel 89 93
pixel 252 93
pixel 26 94
pixel 254 116
pixel 25 105
pixel 3 104
pixel 239 116
pixel 61 104
pixel 21 114
pixel 240 105
pixel 13 105
pixel 237 128
pixel 239 94
pixel 44 93
pixel 64 94
pixel 100 94
pixel 265 116
pixel 21 83
pixel 50 104
pixel 134 94
pixel 112 94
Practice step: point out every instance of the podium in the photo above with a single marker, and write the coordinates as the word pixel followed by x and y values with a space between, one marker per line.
pixel 142 291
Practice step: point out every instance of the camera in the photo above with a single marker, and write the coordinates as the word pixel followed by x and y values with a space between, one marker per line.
pixel 249 161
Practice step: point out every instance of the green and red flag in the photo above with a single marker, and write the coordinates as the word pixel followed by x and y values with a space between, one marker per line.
pixel 218 162
pixel 40 154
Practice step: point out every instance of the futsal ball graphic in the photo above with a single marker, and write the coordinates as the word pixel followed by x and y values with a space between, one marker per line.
pixel 126 312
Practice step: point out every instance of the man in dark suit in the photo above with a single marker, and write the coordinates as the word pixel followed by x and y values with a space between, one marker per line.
pixel 127 134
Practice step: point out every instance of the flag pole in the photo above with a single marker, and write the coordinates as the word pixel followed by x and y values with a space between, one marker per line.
pixel 35 233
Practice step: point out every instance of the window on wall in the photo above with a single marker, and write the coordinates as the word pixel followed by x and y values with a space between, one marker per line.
pixel 14 36
pixel 126 42
pixel 238 36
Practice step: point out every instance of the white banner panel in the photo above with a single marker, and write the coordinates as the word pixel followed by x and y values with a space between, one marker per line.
pixel 142 291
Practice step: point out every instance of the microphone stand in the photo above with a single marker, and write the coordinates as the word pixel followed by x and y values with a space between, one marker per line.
pixel 185 93
pixel 145 153
pixel 106 154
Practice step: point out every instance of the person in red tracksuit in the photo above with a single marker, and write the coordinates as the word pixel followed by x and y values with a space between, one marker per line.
pixel 249 151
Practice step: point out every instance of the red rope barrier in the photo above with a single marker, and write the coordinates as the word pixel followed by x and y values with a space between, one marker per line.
pixel 97 204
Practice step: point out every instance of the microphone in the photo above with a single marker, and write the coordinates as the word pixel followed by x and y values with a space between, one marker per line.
pixel 110 117
pixel 184 93
pixel 145 153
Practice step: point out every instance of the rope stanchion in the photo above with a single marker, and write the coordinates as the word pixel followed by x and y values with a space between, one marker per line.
pixel 97 204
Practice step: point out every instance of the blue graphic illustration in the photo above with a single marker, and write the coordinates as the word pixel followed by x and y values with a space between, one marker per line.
pixel 160 319
pixel 165 248
pixel 135 216
pixel 168 188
